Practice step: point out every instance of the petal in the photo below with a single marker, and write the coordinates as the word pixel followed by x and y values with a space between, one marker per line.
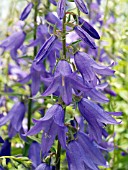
pixel 17 122
pixel 88 28
pixel 53 86
pixel 81 5
pixel 35 129
pixel 26 11
pixel 61 8
pixel 14 110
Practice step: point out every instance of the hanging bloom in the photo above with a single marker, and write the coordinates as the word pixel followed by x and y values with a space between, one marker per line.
pixel 81 6
pixel 26 11
pixel 52 124
pixel 89 67
pixel 35 76
pixel 82 154
pixel 34 154
pixel 61 8
pixel 63 82
pixel 84 36
pixel 13 43
pixel 45 49
pixel 15 115
pixel 96 118
pixel 88 28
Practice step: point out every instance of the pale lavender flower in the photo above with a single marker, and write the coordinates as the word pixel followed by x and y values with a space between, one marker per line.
pixel 13 43
pixel 15 115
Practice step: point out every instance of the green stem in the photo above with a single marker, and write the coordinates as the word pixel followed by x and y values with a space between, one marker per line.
pixel 58 156
pixel 34 54
pixel 64 37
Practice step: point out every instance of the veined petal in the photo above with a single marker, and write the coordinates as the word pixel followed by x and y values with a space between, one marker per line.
pixel 88 28
pixel 81 5
pixel 53 86
pixel 26 11
pixel 84 36
pixel 45 49
pixel 61 8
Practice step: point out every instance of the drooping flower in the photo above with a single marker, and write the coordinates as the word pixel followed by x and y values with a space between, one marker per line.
pixel 45 49
pixel 81 6
pixel 96 118
pixel 13 43
pixel 88 28
pixel 61 8
pixel 82 154
pixel 85 37
pixel 34 154
pixel 52 124
pixel 63 82
pixel 89 67
pixel 35 76
pixel 15 115
pixel 26 11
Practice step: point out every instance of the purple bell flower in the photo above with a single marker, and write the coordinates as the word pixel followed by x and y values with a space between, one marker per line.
pixel 34 154
pixel 96 118
pixel 85 37
pixel 61 8
pixel 45 49
pixel 81 5
pixel 1 140
pixel 52 124
pixel 63 82
pixel 6 149
pixel 35 76
pixel 82 154
pixel 89 67
pixel 88 28
pixel 15 115
pixel 26 11
pixel 13 43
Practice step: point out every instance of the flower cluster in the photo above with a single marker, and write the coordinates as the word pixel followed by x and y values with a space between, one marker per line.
pixel 73 78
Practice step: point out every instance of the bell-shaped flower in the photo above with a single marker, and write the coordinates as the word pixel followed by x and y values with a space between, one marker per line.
pixel 88 28
pixel 83 154
pixel 34 154
pixel 52 125
pixel 13 43
pixel 84 36
pixel 63 82
pixel 81 6
pixel 45 49
pixel 15 115
pixel 61 8
pixel 96 118
pixel 35 75
pixel 89 67
pixel 26 11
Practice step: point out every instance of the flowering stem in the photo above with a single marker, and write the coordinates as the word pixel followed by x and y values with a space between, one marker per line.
pixel 34 54
pixel 64 37
pixel 58 156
